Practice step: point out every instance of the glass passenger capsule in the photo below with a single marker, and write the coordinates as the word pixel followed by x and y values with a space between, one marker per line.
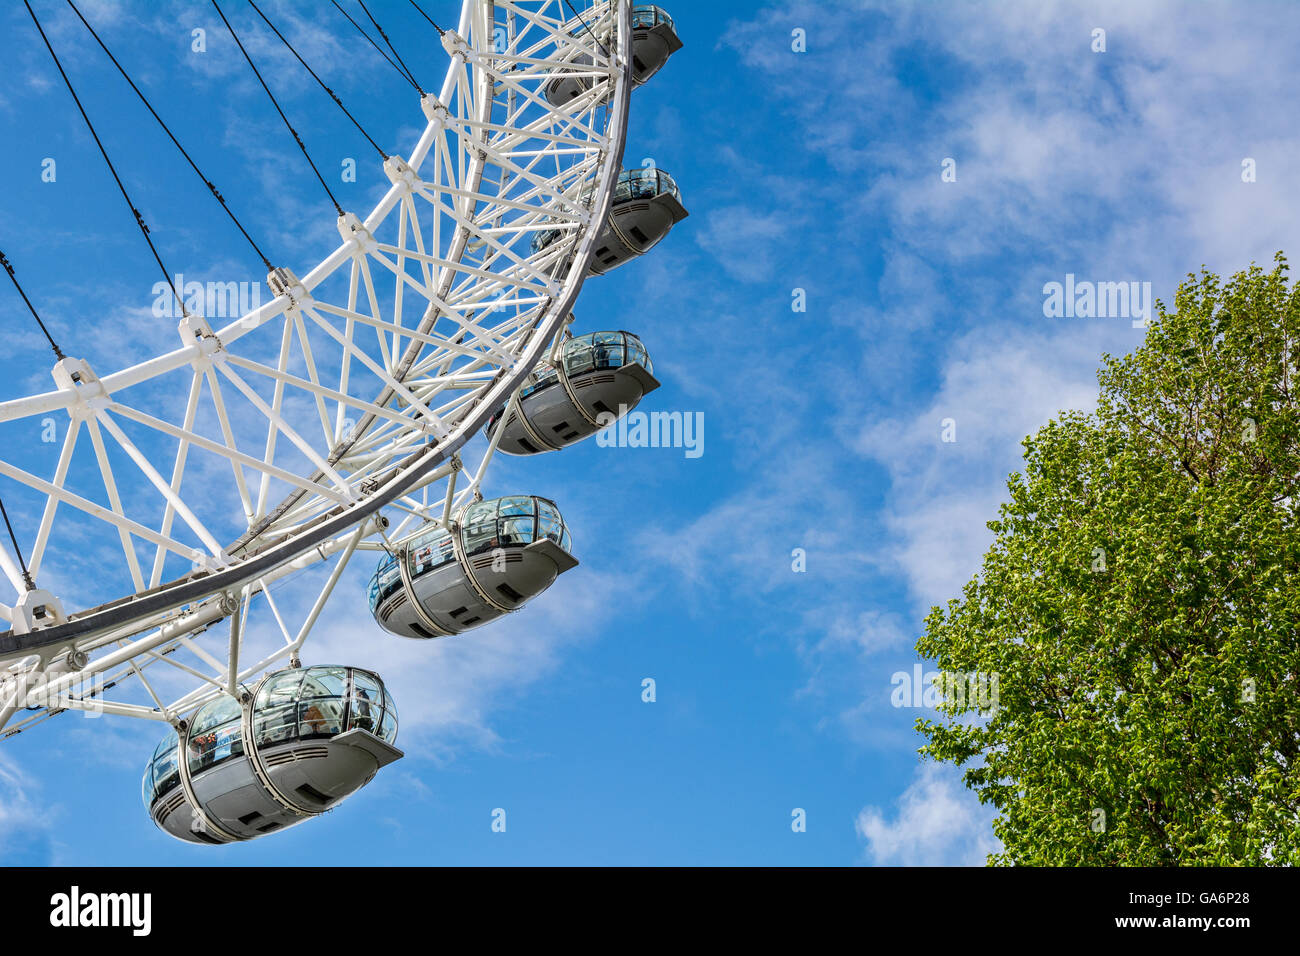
pixel 599 378
pixel 654 40
pixel 310 737
pixel 498 555
pixel 645 206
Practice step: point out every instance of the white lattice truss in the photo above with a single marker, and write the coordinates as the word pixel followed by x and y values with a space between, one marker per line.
pixel 331 419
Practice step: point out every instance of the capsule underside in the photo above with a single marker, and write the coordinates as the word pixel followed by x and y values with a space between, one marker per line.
pixel 317 775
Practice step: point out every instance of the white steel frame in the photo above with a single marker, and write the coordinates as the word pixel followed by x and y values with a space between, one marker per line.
pixel 495 166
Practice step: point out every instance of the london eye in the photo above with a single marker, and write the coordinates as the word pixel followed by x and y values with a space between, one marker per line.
pixel 352 416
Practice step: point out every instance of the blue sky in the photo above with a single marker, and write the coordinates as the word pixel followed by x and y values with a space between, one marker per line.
pixel 818 171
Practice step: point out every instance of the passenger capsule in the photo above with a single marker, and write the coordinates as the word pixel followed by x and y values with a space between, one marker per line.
pixel 646 204
pixel 305 739
pixel 654 40
pixel 498 555
pixel 599 378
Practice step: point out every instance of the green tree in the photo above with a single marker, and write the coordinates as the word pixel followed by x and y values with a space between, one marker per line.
pixel 1140 605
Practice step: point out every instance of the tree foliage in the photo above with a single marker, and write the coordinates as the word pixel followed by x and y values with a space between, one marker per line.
pixel 1140 605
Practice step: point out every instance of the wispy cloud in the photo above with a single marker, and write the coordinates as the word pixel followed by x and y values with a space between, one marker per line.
pixel 24 823
pixel 948 459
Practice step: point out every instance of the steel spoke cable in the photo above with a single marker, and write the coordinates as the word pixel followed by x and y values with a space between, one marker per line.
pixel 139 219
pixel 27 576
pixel 331 93
pixel 402 62
pixel 211 188
pixel 585 27
pixel 441 31
pixel 31 308
pixel 371 41
pixel 276 104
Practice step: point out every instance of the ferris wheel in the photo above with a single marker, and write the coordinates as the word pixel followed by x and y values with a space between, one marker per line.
pixel 231 480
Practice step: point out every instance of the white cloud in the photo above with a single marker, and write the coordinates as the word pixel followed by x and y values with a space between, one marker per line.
pixel 746 242
pixel 15 806
pixel 20 816
pixel 937 823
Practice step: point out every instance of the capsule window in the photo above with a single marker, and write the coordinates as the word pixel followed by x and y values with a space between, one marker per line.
pixel 479 511
pixel 365 709
pixel 517 531
pixel 320 707
pixel 324 682
pixel 276 725
pixel 480 536
pixel 388 725
pixel 216 734
pixel 436 551
pixel 320 718
pixel 216 746
pixel 579 361
pixel 386 581
pixel 551 529
pixel 275 712
pixel 538 379
pixel 163 775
